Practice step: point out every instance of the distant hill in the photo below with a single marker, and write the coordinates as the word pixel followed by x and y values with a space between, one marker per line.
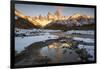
pixel 25 23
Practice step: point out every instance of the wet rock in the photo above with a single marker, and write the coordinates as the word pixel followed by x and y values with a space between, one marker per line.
pixel 64 51
pixel 82 54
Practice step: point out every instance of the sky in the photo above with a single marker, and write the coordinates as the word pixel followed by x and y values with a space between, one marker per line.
pixel 35 10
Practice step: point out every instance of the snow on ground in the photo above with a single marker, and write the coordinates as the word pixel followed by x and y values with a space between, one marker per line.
pixel 85 46
pixel 20 42
pixel 89 48
pixel 87 40
pixel 35 30
pixel 81 32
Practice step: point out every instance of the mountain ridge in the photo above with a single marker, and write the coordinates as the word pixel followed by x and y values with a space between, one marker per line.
pixel 76 19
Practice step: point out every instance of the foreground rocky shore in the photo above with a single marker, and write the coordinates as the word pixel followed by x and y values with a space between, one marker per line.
pixel 61 50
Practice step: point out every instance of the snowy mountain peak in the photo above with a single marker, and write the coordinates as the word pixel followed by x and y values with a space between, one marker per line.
pixel 76 15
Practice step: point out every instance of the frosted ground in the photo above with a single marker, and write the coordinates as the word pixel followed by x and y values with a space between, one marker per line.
pixel 42 35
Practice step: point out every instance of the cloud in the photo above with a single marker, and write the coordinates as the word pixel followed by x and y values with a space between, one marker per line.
pixel 60 8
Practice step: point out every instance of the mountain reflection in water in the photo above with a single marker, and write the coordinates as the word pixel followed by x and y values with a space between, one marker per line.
pixel 60 55
pixel 50 51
